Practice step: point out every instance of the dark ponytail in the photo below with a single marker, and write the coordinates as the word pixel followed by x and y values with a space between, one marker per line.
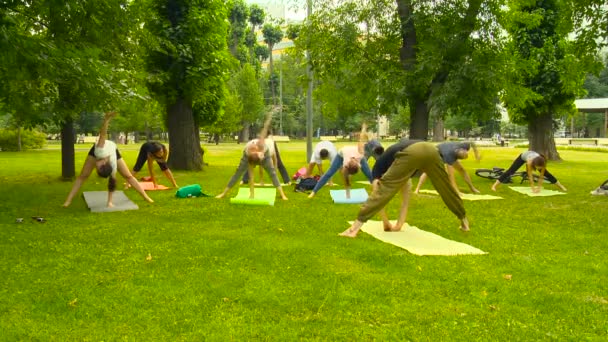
pixel 111 184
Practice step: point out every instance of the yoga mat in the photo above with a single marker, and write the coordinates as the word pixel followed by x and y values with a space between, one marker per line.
pixel 97 201
pixel 263 196
pixel 526 190
pixel 356 196
pixel 468 197
pixel 364 182
pixel 149 186
pixel 417 241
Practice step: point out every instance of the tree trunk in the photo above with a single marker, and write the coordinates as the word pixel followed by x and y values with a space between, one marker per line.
pixel 438 130
pixel 419 114
pixel 419 120
pixel 19 139
pixel 540 136
pixel 68 167
pixel 271 71
pixel 245 132
pixel 184 147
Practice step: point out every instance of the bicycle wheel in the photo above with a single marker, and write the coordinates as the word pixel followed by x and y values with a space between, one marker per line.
pixel 487 173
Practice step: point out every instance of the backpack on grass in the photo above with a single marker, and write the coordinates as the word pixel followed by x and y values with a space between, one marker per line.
pixel 306 184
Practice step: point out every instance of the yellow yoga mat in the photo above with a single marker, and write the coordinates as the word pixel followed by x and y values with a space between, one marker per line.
pixel 417 241
pixel 468 197
pixel 263 196
pixel 526 190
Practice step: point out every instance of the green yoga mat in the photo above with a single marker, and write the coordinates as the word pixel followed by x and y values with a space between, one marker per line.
pixel 263 196
pixel 468 197
pixel 417 241
pixel 526 190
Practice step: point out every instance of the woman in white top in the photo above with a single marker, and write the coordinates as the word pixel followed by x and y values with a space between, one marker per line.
pixel 106 159
pixel 348 160
pixel 533 161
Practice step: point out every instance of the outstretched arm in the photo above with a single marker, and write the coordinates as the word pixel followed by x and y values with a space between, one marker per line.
pixel 265 128
pixel 452 178
pixel 529 169
pixel 103 132
pixel 169 175
pixel 476 152
pixel 363 138
pixel 465 175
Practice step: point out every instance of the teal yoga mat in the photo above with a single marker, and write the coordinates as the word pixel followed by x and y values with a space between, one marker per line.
pixel 356 196
pixel 263 196
pixel 526 190
pixel 97 201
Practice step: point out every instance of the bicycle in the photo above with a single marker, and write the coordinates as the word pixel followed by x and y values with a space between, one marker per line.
pixel 495 173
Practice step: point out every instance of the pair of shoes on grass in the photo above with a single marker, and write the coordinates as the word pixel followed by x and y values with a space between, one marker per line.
pixel 600 191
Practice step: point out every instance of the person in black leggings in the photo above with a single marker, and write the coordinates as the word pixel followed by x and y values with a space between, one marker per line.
pixel 151 152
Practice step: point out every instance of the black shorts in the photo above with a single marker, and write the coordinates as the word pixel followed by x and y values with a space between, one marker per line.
pixel 92 153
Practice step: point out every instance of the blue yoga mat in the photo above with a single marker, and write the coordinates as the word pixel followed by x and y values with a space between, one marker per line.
pixel 356 196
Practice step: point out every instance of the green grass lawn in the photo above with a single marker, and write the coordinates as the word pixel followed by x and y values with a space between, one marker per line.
pixel 228 272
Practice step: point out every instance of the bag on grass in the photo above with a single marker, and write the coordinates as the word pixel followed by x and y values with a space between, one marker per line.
pixel 193 190
pixel 305 184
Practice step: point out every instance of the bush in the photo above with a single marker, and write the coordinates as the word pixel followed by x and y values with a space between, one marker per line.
pixel 30 139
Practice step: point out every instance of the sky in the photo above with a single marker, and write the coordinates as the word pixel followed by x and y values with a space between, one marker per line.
pixel 294 9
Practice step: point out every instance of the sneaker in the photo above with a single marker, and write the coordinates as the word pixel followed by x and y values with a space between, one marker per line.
pixel 599 191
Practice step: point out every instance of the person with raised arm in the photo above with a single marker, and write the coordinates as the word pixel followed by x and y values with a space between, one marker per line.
pixel 106 159
pixel 348 161
pixel 256 153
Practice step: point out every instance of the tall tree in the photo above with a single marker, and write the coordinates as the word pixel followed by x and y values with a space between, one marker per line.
pixel 250 107
pixel 272 35
pixel 423 56
pixel 187 60
pixel 548 69
pixel 78 52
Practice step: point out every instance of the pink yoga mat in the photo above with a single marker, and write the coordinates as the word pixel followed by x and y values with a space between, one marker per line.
pixel 149 186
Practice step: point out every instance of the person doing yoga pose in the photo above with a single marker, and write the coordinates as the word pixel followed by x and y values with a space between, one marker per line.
pixel 105 158
pixel 256 153
pixel 534 161
pixel 348 160
pixel 150 152
pixel 413 156
pixel 451 153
